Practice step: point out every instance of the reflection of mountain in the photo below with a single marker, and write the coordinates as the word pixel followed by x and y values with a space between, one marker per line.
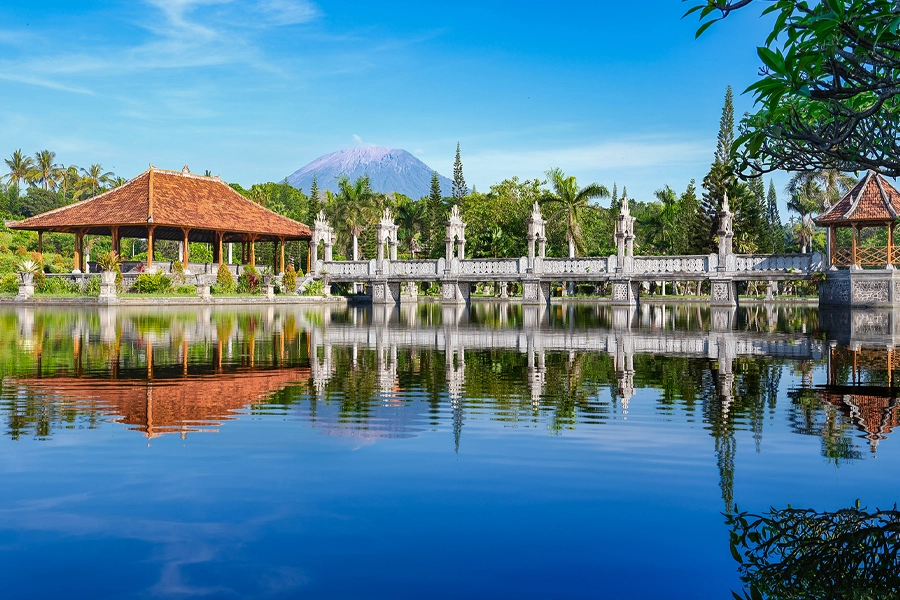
pixel 166 406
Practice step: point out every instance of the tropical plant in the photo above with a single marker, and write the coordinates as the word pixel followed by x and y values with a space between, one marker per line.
pixel 829 90
pixel 315 288
pixel 411 221
pixel 570 203
pixel 46 170
pixel 93 179
pixel 289 279
pixel 249 281
pixel 224 280
pixel 153 283
pixel 356 204
pixel 109 261
pixel 28 266
pixel 21 169
pixel 823 186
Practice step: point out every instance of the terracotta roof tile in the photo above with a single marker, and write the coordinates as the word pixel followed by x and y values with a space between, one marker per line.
pixel 172 199
pixel 873 198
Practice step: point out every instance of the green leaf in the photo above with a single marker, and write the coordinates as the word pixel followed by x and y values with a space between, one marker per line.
pixel 771 59
pixel 703 28
pixel 735 554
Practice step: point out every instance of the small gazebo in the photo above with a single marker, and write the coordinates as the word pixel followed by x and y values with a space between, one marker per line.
pixel 170 205
pixel 872 203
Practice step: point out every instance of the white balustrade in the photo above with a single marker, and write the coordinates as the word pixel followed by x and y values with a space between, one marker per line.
pixel 342 269
pixel 670 264
pixel 414 268
pixel 489 266
pixel 777 262
pixel 573 266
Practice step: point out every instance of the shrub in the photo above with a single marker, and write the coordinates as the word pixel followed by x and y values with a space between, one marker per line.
pixel 248 282
pixel 178 272
pixel 224 281
pixel 186 290
pixel 56 286
pixel 152 283
pixel 315 288
pixel 109 261
pixel 289 280
pixel 9 284
pixel 92 286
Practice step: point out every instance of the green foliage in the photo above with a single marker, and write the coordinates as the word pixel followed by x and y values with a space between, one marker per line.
pixel 37 200
pixel 109 261
pixel 460 189
pixel 92 286
pixel 829 91
pixel 153 283
pixel 224 280
pixel 495 222
pixel 849 554
pixel 57 286
pixel 289 279
pixel 315 288
pixel 9 284
pixel 178 276
pixel 567 206
pixel 249 281
pixel 186 290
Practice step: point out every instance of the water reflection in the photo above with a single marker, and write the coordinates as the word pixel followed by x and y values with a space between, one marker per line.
pixel 851 553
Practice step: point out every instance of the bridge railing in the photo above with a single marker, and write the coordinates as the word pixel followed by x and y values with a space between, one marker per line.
pixel 801 263
pixel 687 264
pixel 491 266
pixel 414 268
pixel 344 268
pixel 571 266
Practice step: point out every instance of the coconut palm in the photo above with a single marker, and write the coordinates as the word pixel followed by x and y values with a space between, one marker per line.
pixel 830 184
pixel 93 179
pixel 356 206
pixel 806 199
pixel 21 168
pixel 47 170
pixel 665 222
pixel 411 221
pixel 569 202
pixel 69 179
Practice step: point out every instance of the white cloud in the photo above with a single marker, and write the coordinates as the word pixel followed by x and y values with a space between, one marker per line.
pixel 289 12
pixel 357 139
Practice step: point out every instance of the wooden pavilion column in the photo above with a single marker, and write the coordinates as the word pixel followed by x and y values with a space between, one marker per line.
pixel 890 245
pixel 252 251
pixel 41 245
pixel 150 229
pixel 853 257
pixel 218 249
pixel 832 244
pixel 116 242
pixel 186 255
pixel 281 267
pixel 79 250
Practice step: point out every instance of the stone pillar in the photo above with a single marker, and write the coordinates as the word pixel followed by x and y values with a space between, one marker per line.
pixel 455 292
pixel 625 292
pixel 461 249
pixel 26 287
pixel 448 242
pixel 723 292
pixel 536 292
pixel 108 290
pixel 394 250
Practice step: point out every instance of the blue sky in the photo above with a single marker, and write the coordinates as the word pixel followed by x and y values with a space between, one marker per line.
pixel 253 90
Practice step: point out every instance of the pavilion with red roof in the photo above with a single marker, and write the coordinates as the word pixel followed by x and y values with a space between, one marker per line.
pixel 170 205
pixel 873 202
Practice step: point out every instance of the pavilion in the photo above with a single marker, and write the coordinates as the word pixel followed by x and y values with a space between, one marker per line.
pixel 872 203
pixel 170 205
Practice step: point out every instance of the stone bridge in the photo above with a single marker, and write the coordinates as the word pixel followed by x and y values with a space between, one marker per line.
pixel 392 281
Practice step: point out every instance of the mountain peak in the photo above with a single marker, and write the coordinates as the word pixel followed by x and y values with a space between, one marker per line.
pixel 389 170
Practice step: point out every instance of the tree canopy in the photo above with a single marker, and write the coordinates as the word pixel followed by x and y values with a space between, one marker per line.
pixel 828 96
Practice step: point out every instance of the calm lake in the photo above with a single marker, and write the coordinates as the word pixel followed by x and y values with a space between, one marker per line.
pixel 490 451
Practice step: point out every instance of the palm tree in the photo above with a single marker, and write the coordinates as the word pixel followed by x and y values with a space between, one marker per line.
pixel 665 234
pixel 21 168
pixel 806 198
pixel 831 185
pixel 93 179
pixel 356 206
pixel 69 178
pixel 411 220
pixel 47 170
pixel 571 203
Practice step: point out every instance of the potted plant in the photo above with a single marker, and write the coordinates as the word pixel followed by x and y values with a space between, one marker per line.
pixel 109 264
pixel 27 269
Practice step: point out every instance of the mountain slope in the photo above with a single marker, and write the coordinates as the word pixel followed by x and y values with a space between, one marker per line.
pixel 388 170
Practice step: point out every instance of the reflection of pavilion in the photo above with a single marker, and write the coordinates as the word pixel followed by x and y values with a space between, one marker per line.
pixel 874 410
pixel 165 406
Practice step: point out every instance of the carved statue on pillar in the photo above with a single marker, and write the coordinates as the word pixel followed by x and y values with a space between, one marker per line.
pixel 456 232
pixel 624 232
pixel 726 231
pixel 321 233
pixel 536 233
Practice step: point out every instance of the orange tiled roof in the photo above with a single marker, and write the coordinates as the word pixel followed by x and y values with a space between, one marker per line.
pixel 169 199
pixel 873 198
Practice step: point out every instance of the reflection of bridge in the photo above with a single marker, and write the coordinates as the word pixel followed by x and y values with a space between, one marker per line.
pixel 393 280
pixel 385 334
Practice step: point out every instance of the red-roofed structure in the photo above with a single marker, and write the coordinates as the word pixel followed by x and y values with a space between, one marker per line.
pixel 170 205
pixel 873 202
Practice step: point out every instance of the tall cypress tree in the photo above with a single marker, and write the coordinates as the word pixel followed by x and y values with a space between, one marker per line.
pixel 614 200
pixel 774 217
pixel 688 206
pixel 314 205
pixel 435 196
pixel 459 182
pixel 717 182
